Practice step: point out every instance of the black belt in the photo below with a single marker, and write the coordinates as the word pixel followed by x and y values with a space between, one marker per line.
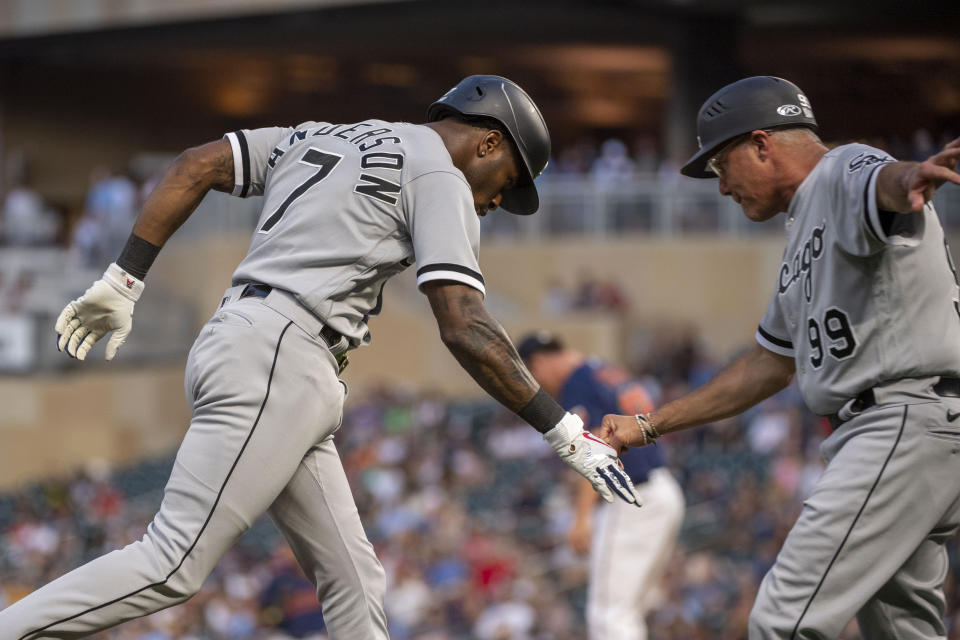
pixel 256 290
pixel 945 388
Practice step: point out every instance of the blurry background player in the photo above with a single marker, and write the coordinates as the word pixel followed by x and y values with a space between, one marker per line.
pixel 629 547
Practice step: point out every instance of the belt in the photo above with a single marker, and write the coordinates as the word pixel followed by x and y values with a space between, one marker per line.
pixel 330 335
pixel 945 388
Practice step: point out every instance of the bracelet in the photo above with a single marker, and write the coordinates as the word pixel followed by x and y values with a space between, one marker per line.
pixel 647 428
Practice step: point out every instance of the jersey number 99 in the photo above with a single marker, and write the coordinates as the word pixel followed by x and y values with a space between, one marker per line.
pixel 837 328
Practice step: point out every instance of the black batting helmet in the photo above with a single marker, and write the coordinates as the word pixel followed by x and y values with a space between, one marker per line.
pixel 504 101
pixel 760 102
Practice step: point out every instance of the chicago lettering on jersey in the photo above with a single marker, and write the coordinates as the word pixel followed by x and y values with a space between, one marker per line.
pixel 800 266
pixel 865 160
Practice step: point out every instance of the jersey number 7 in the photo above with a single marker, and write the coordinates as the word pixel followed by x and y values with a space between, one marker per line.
pixel 325 162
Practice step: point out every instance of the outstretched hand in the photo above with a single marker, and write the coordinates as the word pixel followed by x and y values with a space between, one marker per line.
pixel 930 174
pixel 592 458
pixel 621 432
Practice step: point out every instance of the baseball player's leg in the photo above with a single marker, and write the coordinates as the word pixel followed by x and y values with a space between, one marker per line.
pixel 888 484
pixel 319 519
pixel 263 393
pixel 912 603
pixel 629 551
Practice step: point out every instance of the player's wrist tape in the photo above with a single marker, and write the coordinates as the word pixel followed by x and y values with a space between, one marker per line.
pixel 125 283
pixel 647 428
pixel 137 256
pixel 542 412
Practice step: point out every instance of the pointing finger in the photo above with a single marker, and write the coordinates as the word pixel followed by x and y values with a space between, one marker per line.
pixel 942 174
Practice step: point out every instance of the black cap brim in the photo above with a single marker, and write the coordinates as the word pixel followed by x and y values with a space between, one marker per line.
pixel 696 166
pixel 522 200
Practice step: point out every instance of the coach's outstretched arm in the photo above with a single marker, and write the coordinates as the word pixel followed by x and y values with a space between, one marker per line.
pixel 108 304
pixel 484 350
pixel 905 187
pixel 753 377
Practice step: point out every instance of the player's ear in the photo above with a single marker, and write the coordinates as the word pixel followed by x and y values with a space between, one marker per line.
pixel 489 143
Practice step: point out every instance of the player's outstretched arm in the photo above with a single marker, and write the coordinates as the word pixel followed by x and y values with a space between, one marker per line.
pixel 107 306
pixel 484 350
pixel 905 187
pixel 195 172
pixel 753 377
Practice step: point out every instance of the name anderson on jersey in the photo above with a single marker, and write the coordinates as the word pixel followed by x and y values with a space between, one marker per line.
pixel 369 185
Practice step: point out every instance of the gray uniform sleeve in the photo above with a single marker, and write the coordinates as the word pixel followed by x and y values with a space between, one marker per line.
pixel 445 229
pixel 773 334
pixel 252 149
pixel 862 228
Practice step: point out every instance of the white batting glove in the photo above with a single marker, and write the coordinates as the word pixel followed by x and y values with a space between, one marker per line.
pixel 592 458
pixel 106 306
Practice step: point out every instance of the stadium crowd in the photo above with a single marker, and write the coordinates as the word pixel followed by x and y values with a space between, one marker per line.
pixel 96 231
pixel 468 510
pixel 467 507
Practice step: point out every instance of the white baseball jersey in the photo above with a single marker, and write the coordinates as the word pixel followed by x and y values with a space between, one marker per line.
pixel 348 206
pixel 862 295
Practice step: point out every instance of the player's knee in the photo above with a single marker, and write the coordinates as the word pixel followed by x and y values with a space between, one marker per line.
pixel 367 585
pixel 182 585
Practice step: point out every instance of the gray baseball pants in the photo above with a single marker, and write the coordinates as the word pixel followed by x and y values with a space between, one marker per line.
pixel 870 541
pixel 266 400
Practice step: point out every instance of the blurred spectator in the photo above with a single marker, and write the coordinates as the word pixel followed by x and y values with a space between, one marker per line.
pixel 506 618
pixel 613 164
pixel 575 159
pixel 592 293
pixel 289 601
pixel 922 146
pixel 556 299
pixel 26 220
pixel 645 155
pixel 110 210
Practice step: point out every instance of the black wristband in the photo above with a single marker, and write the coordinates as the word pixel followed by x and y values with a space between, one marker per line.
pixel 137 256
pixel 542 412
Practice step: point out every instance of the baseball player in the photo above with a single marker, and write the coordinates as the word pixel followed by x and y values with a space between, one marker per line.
pixel 629 548
pixel 345 206
pixel 866 315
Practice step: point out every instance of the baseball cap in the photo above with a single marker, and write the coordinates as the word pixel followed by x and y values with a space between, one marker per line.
pixel 538 342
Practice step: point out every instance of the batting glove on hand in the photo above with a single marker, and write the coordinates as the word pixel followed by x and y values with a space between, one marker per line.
pixel 106 306
pixel 592 458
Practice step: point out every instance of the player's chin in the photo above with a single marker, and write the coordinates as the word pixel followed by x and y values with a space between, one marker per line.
pixel 757 213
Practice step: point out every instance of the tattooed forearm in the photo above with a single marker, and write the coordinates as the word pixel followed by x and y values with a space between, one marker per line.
pixel 487 354
pixel 480 344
